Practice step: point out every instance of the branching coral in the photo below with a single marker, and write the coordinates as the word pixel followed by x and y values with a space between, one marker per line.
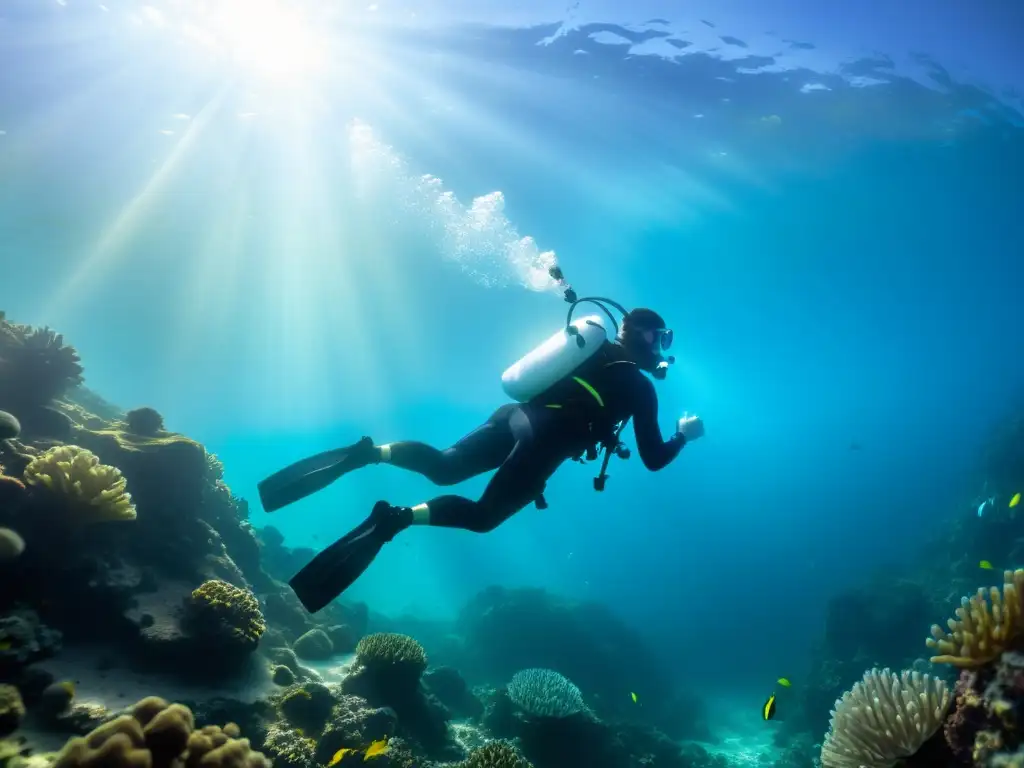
pixel 497 754
pixel 545 693
pixel 220 610
pixel 42 367
pixel 158 735
pixel 91 491
pixel 984 625
pixel 393 653
pixel 884 718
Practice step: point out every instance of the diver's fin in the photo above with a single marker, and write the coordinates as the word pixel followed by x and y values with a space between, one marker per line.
pixel 310 475
pixel 336 568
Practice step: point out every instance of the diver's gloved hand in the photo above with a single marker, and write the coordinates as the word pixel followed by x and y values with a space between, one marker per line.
pixel 690 427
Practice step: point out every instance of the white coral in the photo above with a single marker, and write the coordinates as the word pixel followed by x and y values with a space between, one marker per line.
pixel 883 719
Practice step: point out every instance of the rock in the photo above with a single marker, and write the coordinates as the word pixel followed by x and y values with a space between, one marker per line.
pixel 11 545
pixel 56 698
pixel 342 638
pixel 11 709
pixel 282 676
pixel 23 640
pixel 284 611
pixel 9 426
pixel 32 682
pixel 451 690
pixel 307 706
pixel 315 645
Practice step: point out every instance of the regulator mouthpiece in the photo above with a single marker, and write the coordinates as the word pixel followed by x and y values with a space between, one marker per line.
pixel 661 369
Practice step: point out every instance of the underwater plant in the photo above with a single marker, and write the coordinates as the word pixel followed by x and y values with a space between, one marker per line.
pixel 884 718
pixel 545 693
pixel 90 491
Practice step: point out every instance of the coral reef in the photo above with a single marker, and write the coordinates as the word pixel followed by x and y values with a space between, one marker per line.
pixel 159 734
pixel 983 626
pixel 506 630
pixel 83 489
pixel 545 693
pixel 497 754
pixel 39 368
pixel 11 709
pixel 387 673
pixel 221 613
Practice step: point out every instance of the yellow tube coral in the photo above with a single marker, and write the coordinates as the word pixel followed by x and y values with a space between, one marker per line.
pixel 93 492
pixel 984 625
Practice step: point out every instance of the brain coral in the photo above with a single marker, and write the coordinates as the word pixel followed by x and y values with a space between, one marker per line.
pixel 90 491
pixel 545 693
pixel 219 609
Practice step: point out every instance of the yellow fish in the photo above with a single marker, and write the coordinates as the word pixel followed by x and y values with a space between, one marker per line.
pixel 376 748
pixel 985 565
pixel 339 755
pixel 784 682
pixel 633 695
pixel 6 645
pixel 1015 500
pixel 768 710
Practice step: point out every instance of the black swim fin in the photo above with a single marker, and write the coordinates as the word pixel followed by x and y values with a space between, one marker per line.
pixel 310 475
pixel 336 568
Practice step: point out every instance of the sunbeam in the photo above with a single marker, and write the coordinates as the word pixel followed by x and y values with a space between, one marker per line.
pixel 117 235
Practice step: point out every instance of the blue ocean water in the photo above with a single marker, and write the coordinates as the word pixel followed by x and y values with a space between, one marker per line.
pixel 825 207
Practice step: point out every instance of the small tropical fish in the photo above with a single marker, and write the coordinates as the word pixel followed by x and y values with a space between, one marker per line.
pixel 633 696
pixel 768 710
pixel 339 755
pixel 1015 500
pixel 985 565
pixel 376 748
pixel 784 682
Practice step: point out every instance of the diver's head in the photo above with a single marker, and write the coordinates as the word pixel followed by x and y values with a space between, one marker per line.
pixel 645 338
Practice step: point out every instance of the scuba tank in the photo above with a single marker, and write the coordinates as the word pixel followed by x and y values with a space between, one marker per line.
pixel 549 363
pixel 565 352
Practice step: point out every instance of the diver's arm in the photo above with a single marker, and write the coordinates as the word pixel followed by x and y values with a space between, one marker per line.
pixel 654 452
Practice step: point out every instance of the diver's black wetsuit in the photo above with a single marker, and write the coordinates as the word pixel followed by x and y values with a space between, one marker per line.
pixel 527 443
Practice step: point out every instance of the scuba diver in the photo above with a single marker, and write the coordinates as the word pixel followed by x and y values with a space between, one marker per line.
pixel 572 398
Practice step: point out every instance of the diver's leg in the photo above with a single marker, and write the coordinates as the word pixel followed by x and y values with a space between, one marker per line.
pixel 482 450
pixel 518 481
